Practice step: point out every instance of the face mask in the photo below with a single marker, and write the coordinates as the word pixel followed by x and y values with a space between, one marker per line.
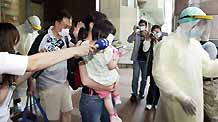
pixel 28 28
pixel 196 32
pixel 64 32
pixel 159 34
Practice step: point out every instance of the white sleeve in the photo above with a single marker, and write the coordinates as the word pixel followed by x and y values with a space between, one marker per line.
pixel 209 65
pixel 162 58
pixel 108 55
pixel 13 64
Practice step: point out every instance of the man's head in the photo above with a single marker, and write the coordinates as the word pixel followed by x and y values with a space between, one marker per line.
pixel 32 24
pixel 63 22
pixel 142 25
pixel 194 23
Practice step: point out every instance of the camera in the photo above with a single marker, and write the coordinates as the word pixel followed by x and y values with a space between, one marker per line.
pixel 140 28
pixel 153 35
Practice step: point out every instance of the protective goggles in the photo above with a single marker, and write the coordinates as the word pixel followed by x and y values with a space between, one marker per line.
pixel 34 27
pixel 206 17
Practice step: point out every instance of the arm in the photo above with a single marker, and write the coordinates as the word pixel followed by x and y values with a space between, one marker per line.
pixel 3 92
pixel 90 83
pixel 18 65
pixel 132 37
pixel 23 78
pixel 209 66
pixel 113 63
pixel 162 59
pixel 36 63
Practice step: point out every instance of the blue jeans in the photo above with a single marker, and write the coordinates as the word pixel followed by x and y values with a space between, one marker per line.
pixel 137 67
pixel 92 109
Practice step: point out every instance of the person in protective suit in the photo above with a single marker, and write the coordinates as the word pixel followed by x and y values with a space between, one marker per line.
pixel 210 86
pixel 28 33
pixel 178 66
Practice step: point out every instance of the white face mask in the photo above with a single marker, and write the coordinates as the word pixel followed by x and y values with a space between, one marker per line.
pixel 64 32
pixel 159 34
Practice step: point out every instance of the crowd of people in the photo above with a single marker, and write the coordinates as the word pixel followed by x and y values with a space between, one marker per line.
pixel 174 63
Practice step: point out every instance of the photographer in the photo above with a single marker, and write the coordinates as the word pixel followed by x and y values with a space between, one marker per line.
pixel 138 57
pixel 153 92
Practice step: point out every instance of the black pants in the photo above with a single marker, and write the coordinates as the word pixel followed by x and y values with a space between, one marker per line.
pixel 153 93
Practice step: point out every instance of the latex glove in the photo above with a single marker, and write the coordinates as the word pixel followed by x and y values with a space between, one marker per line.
pixel 188 105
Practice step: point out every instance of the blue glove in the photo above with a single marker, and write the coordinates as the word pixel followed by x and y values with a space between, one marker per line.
pixel 102 44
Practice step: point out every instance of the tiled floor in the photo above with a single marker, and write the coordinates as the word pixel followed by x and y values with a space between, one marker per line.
pixel 129 112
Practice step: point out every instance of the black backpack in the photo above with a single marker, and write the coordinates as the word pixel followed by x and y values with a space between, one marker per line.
pixel 72 63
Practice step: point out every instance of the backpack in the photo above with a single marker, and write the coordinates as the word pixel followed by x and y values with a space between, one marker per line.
pixel 73 75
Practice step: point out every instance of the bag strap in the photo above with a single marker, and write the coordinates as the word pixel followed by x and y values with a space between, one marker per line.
pixel 45 118
pixel 35 104
pixel 25 110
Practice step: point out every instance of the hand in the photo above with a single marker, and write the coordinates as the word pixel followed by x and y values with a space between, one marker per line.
pixel 30 91
pixel 78 43
pixel 188 105
pixel 134 28
pixel 82 50
pixel 77 28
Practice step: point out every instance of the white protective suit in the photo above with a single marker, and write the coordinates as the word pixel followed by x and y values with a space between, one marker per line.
pixel 27 34
pixel 178 66
pixel 26 40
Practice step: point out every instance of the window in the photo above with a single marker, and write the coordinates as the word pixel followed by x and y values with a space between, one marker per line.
pixel 129 3
pixel 124 2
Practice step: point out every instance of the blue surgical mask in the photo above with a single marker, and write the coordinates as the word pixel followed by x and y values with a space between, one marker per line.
pixel 196 32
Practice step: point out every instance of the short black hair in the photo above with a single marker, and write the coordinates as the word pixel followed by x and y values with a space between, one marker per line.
pixel 142 21
pixel 62 14
pixel 94 17
pixel 155 27
pixel 102 29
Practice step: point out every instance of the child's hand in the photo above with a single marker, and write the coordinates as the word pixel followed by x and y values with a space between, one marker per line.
pixel 114 87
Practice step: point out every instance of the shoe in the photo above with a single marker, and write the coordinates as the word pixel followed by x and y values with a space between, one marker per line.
pixel 141 96
pixel 148 107
pixel 133 98
pixel 117 100
pixel 115 118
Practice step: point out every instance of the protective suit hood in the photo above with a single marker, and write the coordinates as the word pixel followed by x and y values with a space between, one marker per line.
pixel 194 24
pixel 32 24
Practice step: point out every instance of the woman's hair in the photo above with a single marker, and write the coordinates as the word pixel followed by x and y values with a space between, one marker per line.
pixel 155 27
pixel 9 37
pixel 94 17
pixel 102 29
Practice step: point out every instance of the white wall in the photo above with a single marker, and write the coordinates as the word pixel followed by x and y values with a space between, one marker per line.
pixel 112 9
pixel 124 18
pixel 128 18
